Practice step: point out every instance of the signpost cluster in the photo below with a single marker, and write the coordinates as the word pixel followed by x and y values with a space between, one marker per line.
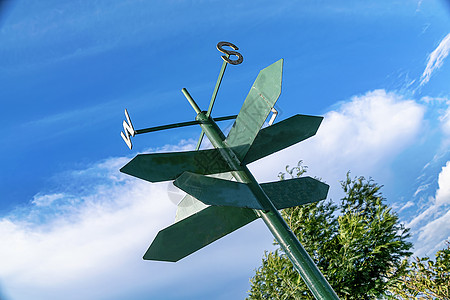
pixel 215 204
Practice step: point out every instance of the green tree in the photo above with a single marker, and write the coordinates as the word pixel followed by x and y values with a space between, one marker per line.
pixel 425 278
pixel 355 245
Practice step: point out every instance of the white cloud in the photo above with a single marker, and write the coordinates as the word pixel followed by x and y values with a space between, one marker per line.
pixel 436 59
pixel 81 239
pixel 372 125
pixel 432 224
pixel 88 243
pixel 363 135
pixel 443 193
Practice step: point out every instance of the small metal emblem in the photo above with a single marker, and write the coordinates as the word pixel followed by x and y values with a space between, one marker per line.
pixel 237 61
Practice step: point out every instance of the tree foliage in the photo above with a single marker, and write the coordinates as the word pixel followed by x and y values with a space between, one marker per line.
pixel 425 278
pixel 355 245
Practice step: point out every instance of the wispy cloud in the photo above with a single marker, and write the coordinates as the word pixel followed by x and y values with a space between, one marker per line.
pixel 432 224
pixel 445 121
pixel 47 199
pixel 407 205
pixel 63 31
pixel 440 107
pixel 436 59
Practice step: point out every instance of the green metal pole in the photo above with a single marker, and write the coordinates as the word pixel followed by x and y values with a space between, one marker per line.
pixel 213 98
pixel 216 88
pixel 191 101
pixel 302 262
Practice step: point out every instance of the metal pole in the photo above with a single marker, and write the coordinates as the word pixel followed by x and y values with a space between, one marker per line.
pixel 191 101
pixel 302 262
pixel 216 88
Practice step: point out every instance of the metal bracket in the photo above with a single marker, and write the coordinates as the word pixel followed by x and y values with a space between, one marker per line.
pixel 274 115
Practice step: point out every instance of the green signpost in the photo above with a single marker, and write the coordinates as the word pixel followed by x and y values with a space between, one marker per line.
pixel 214 205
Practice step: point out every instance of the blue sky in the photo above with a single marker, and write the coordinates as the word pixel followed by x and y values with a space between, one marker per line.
pixel 73 227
